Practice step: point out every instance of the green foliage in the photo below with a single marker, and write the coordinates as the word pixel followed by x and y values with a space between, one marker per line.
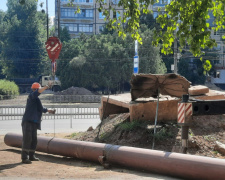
pixel 189 17
pixel 24 35
pixel 64 35
pixel 130 126
pixel 105 62
pixel 131 16
pixel 8 89
pixel 197 76
pixel 207 66
pixel 76 134
pixel 188 21
pixel 162 134
pixel 149 21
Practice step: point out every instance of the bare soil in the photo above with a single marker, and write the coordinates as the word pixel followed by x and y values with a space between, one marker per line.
pixel 118 130
pixel 59 167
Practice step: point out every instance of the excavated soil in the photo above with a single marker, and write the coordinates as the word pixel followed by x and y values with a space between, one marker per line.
pixel 204 132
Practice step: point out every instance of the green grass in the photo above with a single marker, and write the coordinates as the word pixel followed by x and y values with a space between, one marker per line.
pixel 76 134
pixel 191 132
pixel 209 138
pixel 129 126
pixel 215 152
pixel 163 133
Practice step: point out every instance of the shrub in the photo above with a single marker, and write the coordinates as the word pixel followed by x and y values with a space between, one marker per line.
pixel 8 89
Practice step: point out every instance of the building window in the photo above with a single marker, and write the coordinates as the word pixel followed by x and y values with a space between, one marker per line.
pixel 114 14
pixel 85 28
pixel 101 16
pixel 117 14
pixel 70 13
pixel 115 2
pixel 101 28
pixel 218 47
pixel 164 1
pixel 81 1
pixel 82 13
pixel 89 13
pixel 70 27
pixel 155 14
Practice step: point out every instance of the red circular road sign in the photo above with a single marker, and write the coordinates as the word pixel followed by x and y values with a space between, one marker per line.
pixel 53 46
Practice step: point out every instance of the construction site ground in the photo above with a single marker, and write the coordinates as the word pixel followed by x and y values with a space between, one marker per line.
pixel 204 133
pixel 58 167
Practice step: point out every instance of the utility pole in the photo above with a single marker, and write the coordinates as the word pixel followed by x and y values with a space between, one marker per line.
pixel 175 55
pixel 58 8
pixel 95 18
pixel 47 16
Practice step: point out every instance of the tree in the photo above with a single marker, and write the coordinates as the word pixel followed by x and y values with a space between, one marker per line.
pixel 3 30
pixel 189 17
pixel 148 20
pixel 25 37
pixel 197 76
pixel 64 35
pixel 105 62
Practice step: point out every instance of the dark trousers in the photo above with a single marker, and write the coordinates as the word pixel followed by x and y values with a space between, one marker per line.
pixel 29 139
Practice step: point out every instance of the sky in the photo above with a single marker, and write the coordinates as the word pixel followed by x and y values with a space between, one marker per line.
pixel 51 6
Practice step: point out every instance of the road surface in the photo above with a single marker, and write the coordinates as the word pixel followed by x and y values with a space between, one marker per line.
pixel 51 126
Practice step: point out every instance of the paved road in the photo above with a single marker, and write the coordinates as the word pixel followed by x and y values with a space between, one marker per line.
pixel 51 126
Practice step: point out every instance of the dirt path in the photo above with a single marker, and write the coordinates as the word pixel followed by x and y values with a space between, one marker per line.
pixel 58 167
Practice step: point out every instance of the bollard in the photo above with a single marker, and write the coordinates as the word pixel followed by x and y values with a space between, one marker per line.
pixel 184 117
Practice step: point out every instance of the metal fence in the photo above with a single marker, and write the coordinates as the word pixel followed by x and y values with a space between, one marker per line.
pixel 74 111
pixel 73 99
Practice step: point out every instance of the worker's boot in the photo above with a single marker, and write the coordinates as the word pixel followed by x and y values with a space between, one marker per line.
pixel 26 161
pixel 33 158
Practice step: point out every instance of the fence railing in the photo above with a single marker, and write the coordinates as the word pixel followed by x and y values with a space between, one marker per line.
pixel 51 98
pixel 75 111
pixel 72 98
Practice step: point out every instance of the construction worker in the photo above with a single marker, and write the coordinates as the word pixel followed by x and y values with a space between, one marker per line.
pixel 31 122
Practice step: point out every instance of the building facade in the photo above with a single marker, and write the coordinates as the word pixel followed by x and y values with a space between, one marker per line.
pixel 88 21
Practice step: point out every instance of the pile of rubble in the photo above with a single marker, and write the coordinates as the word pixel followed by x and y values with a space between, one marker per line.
pixel 74 91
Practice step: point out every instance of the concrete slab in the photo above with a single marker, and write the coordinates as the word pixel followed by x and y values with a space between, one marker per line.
pixel 198 90
pixel 145 108
pixel 211 95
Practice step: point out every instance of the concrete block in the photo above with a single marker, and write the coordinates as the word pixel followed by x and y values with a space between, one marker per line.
pixel 198 90
pixel 146 111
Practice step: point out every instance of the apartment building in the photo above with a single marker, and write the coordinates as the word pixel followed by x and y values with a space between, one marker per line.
pixel 88 21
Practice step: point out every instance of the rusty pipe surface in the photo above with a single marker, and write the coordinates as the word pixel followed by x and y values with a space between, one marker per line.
pixel 167 163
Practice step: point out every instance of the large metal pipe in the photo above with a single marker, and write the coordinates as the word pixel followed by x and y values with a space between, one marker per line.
pixel 167 163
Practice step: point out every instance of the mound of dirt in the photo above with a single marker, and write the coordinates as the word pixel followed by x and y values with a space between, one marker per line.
pixel 118 130
pixel 74 91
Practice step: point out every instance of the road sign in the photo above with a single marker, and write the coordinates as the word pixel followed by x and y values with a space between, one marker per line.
pixel 136 64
